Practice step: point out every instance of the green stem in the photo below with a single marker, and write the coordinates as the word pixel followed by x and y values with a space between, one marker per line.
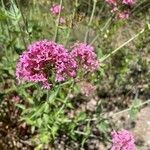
pixel 71 26
pixel 128 109
pixel 124 44
pixel 57 23
pixel 113 115
pixel 19 25
pixel 23 18
pixel 7 23
pixel 91 19
pixel 66 99
pixel 123 111
pixel 105 26
pixel 83 133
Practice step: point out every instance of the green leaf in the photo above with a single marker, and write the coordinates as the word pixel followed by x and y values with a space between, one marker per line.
pixel 29 121
pixel 72 126
pixel 14 12
pixel 3 14
pixel 47 109
pixel 45 118
pixel 133 112
pixel 54 130
pixel 81 116
pixel 39 111
pixel 99 53
pixel 20 106
pixel 39 147
pixel 69 105
pixel 135 108
pixel 44 137
pixel 103 126
pixel 53 95
pixel 39 122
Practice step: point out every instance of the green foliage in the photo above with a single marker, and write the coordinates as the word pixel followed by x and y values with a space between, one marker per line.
pixel 103 126
pixel 134 108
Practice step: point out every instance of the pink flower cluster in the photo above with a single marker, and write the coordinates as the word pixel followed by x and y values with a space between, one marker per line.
pixel 112 2
pixel 116 2
pixel 56 9
pixel 16 99
pixel 128 2
pixel 45 59
pixel 85 55
pixel 123 15
pixel 118 7
pixel 122 140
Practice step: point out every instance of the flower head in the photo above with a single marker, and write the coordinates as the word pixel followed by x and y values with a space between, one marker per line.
pixel 123 15
pixel 56 9
pixel 112 2
pixel 128 2
pixel 117 8
pixel 122 140
pixel 16 99
pixel 62 20
pixel 44 59
pixel 85 56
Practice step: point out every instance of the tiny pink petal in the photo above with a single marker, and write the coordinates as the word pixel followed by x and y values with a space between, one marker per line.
pixel 112 2
pixel 128 2
pixel 123 15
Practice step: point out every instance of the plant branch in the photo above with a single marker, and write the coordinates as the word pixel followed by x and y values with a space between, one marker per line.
pixel 123 111
pixel 128 109
pixel 66 99
pixel 91 19
pixel 124 44
pixel 23 18
pixel 73 16
pixel 57 23
pixel 105 26
pixel 24 42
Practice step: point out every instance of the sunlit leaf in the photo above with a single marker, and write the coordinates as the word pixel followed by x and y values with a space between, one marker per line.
pixel 135 108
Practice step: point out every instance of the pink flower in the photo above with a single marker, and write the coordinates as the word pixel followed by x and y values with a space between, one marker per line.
pixel 128 2
pixel 16 99
pixel 122 140
pixel 123 15
pixel 56 9
pixel 112 2
pixel 114 10
pixel 86 88
pixel 85 56
pixel 62 20
pixel 45 59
